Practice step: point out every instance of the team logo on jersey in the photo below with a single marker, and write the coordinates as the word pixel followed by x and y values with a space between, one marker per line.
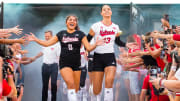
pixel 114 28
pixel 105 32
pixel 52 49
pixel 69 39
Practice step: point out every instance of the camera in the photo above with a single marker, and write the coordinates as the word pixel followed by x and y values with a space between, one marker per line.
pixel 149 40
pixel 168 31
pixel 6 53
pixel 173 29
pixel 153 73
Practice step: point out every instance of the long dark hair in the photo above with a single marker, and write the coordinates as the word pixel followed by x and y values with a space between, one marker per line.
pixel 166 17
pixel 77 27
pixel 104 5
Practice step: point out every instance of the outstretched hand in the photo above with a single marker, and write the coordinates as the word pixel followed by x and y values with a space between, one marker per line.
pixel 23 41
pixel 16 30
pixel 31 37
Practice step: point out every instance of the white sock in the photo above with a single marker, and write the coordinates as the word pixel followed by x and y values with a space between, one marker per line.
pixel 93 97
pixel 72 95
pixel 91 90
pixel 98 97
pixel 108 94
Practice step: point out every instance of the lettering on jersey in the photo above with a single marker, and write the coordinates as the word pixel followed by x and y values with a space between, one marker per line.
pixel 69 39
pixel 105 32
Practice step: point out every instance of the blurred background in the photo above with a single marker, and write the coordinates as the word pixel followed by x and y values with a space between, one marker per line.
pixel 37 18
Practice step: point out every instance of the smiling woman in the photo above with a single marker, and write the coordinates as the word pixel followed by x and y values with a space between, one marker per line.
pixel 104 58
pixel 71 40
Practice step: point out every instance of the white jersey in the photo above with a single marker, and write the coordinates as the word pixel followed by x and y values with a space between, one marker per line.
pixel 51 53
pixel 108 33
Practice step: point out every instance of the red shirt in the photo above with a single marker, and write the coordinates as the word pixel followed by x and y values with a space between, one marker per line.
pixel 160 61
pixel 169 59
pixel 176 37
pixel 131 51
pixel 148 85
pixel 6 89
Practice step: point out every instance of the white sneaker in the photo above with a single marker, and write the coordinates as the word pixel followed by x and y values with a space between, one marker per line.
pixel 93 98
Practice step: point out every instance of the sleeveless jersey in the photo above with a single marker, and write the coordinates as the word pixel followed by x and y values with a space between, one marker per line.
pixel 108 34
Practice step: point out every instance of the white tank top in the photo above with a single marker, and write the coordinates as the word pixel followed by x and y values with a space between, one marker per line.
pixel 108 33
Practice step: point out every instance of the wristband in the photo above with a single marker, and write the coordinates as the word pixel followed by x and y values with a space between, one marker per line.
pixel 173 68
pixel 10 76
pixel 162 83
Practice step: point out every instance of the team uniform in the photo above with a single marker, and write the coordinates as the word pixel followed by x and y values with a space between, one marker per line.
pixel 70 49
pixel 104 54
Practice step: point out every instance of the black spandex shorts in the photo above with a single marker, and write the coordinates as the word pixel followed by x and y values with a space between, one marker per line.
pixel 103 60
pixel 72 61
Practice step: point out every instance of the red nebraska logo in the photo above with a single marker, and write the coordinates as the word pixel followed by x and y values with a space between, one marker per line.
pixel 68 39
pixel 103 33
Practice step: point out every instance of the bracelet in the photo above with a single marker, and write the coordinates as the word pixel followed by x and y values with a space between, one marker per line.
pixel 10 76
pixel 173 68
pixel 160 81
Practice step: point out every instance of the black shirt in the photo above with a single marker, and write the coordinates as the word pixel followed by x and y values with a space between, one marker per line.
pixel 149 60
pixel 70 43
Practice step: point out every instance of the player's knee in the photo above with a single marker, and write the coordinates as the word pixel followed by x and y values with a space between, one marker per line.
pixel 109 82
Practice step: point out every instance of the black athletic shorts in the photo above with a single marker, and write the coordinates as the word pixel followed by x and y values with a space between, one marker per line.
pixel 72 61
pixel 103 60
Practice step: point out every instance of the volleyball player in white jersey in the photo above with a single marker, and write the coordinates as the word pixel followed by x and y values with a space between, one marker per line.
pixel 104 59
